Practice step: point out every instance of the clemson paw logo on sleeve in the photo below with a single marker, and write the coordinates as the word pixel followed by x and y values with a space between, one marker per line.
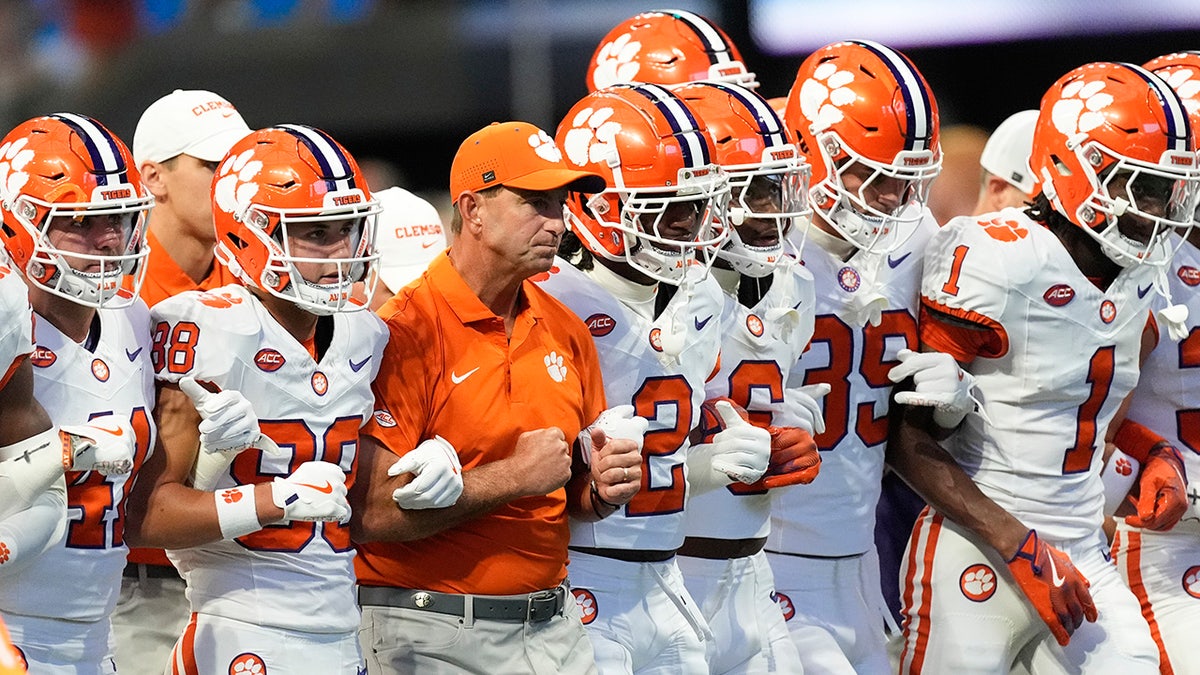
pixel 544 147
pixel 978 583
pixel 1081 107
pixel 591 137
pixel 615 62
pixel 586 603
pixel 13 158
pixel 554 366
pixel 1004 230
pixel 1123 466
pixel 823 95
pixel 234 187
pixel 247 664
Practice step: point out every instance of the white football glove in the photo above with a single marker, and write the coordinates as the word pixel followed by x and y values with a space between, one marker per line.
pixel 228 423
pixel 105 444
pixel 740 451
pixel 940 384
pixel 316 491
pixel 801 408
pixel 437 476
pixel 616 422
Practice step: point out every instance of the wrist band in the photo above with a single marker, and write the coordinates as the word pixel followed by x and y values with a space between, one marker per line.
pixel 236 512
pixel 597 501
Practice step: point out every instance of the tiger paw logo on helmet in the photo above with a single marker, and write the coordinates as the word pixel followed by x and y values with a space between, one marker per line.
pixel 1183 84
pixel 822 96
pixel 13 158
pixel 615 62
pixel 1081 107
pixel 235 185
pixel 544 147
pixel 592 136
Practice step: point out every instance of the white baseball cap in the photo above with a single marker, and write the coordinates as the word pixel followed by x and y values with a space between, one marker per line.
pixel 188 121
pixel 1006 154
pixel 409 235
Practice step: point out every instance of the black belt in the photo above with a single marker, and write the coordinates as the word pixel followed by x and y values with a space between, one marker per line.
pixel 721 549
pixel 818 557
pixel 626 556
pixel 140 570
pixel 532 607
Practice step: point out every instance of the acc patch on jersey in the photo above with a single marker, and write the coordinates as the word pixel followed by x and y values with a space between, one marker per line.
pixel 785 605
pixel 600 325
pixel 1189 275
pixel 384 419
pixel 248 663
pixel 978 582
pixel 268 360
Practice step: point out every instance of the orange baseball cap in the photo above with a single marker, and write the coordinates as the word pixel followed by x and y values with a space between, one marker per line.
pixel 518 155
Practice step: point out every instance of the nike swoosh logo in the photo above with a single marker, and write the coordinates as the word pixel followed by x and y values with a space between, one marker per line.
pixel 701 324
pixel 1143 291
pixel 115 432
pixel 1058 579
pixel 358 366
pixel 134 354
pixel 427 244
pixel 895 262
pixel 458 379
pixel 327 488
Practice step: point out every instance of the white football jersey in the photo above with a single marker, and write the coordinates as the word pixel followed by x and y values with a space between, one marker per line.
pixel 79 578
pixel 16 318
pixel 296 576
pixel 1069 358
pixel 666 390
pixel 760 345
pixel 835 514
pixel 1167 399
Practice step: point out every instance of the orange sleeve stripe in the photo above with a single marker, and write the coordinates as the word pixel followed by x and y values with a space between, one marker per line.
pixel 982 337
pixel 12 369
pixel 1136 440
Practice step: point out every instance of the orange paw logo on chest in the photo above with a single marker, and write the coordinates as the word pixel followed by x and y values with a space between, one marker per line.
pixel 1004 230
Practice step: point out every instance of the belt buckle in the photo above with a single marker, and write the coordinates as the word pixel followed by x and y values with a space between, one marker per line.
pixel 543 605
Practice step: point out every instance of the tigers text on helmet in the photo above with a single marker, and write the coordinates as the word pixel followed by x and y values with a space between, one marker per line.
pixel 285 178
pixel 61 177
pixel 862 113
pixel 768 177
pixel 665 195
pixel 1114 152
pixel 668 47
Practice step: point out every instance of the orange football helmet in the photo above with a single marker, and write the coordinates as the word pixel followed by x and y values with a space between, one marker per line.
pixel 667 47
pixel 861 108
pixel 69 165
pixel 656 158
pixel 284 175
pixel 768 177
pixel 1114 139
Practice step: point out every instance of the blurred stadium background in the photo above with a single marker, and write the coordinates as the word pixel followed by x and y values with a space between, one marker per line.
pixel 401 82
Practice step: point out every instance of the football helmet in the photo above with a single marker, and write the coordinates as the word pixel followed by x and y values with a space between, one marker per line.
pixel 768 178
pixel 70 166
pixel 284 176
pixel 657 160
pixel 1113 139
pixel 668 47
pixel 861 111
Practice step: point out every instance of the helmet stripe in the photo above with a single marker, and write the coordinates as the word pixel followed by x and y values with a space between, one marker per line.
pixel 718 50
pixel 1176 115
pixel 335 167
pixel 918 107
pixel 687 130
pixel 769 126
pixel 101 147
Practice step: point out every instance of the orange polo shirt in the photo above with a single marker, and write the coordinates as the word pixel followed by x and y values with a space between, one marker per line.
pixel 449 369
pixel 165 279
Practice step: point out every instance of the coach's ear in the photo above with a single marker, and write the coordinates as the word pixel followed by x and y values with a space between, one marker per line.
pixel 152 178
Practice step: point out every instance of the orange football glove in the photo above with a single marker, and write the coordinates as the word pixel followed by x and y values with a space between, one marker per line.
pixel 1057 590
pixel 794 458
pixel 1162 490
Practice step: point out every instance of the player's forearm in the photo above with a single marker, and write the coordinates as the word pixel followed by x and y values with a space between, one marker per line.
pixel 485 488
pixel 177 516
pixel 914 454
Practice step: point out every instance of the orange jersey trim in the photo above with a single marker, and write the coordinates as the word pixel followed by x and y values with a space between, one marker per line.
pixel 983 337
pixel 451 369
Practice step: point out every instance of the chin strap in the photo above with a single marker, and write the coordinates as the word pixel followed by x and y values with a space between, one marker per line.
pixel 1173 315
